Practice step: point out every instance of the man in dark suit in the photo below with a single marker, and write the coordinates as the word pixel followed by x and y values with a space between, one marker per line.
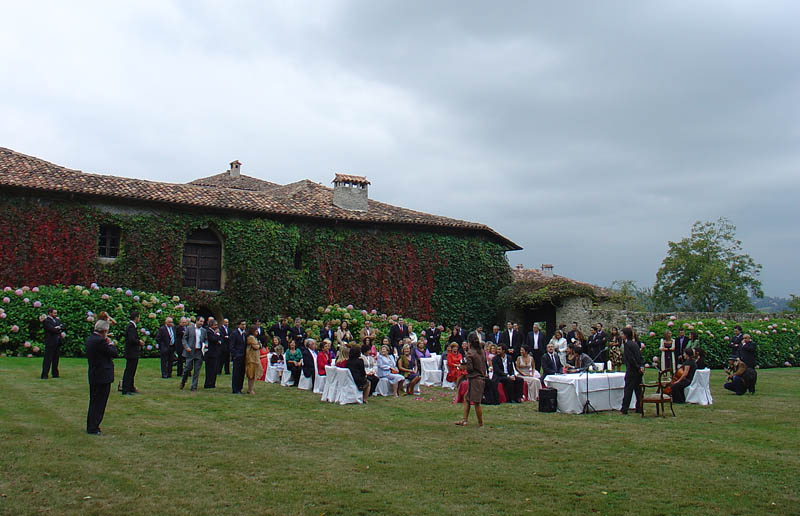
pixel 736 340
pixel 573 333
pixel 397 333
pixel 52 341
pixel 195 341
pixel 551 363
pixel 434 334
pixel 748 355
pixel 297 333
pixel 495 336
pixel 600 339
pixel 261 334
pixel 503 367
pixel 225 351
pixel 100 353
pixel 165 338
pixel 536 343
pixel 512 339
pixel 132 345
pixel 281 330
pixel 680 343
pixel 478 333
pixel 326 332
pixel 213 354
pixel 179 330
pixel 238 346
pixel 309 351
pixel 634 370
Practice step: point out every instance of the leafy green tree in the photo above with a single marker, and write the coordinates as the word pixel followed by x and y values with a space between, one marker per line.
pixel 633 297
pixel 794 304
pixel 708 272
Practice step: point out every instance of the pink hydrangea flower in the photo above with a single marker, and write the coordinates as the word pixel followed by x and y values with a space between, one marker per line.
pixel 128 293
pixel 26 300
pixel 373 312
pixel 29 355
pixel 35 349
pixel 672 317
pixel 7 289
pixel 349 307
pixel 149 347
pixel 94 286
pixel 26 288
pixel 142 330
pixel 766 318
pixel 2 315
pixel 6 300
pixel 641 345
pixel 119 289
pixel 327 310
pixel 652 334
pixel 90 319
pixel 136 298
pixel 787 364
pixel 35 289
pixel 163 305
pixel 774 331
pixel 105 297
pixel 364 312
pixel 37 304
pixel 14 329
pixel 758 332
pixel 18 292
pixel 727 338
pixel 670 323
pixel 27 344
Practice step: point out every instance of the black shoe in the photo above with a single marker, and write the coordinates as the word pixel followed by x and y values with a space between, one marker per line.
pixel 44 378
pixel 162 377
pixel 193 389
pixel 94 433
pixel 56 376
pixel 127 394
pixel 183 384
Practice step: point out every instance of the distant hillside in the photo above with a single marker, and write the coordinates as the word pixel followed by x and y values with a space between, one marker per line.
pixel 770 304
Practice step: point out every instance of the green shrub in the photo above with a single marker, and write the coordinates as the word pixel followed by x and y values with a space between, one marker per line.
pixel 777 340
pixel 23 310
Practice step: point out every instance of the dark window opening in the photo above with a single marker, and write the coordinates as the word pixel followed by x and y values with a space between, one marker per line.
pixel 108 242
pixel 202 260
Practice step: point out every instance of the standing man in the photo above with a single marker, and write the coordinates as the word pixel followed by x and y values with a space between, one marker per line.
pixel 573 333
pixel 397 333
pixel 368 336
pixel 225 351
pixel 165 338
pixel 100 353
pixel 478 333
pixel 326 332
pixel 433 334
pixel 52 341
pixel 494 337
pixel 179 331
pixel 194 341
pixel 748 354
pixel 512 339
pixel 536 344
pixel 213 354
pixel 634 370
pixel 680 344
pixel 238 346
pixel 736 340
pixel 600 339
pixel 132 346
pixel 281 329
pixel 297 333
pixel 261 334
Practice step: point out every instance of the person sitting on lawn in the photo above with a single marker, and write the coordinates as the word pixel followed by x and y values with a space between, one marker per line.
pixel 387 368
pixel 683 378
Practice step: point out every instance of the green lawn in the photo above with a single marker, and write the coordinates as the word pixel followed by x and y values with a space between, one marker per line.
pixel 282 451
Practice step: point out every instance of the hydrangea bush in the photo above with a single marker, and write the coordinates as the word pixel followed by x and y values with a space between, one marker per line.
pixel 23 309
pixel 777 340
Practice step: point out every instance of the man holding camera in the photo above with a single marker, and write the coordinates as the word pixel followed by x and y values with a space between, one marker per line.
pixel 53 330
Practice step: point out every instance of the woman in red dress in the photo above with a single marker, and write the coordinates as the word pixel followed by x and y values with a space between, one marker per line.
pixel 454 359
pixel 264 356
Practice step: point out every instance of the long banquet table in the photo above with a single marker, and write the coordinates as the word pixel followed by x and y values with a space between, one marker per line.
pixel 605 391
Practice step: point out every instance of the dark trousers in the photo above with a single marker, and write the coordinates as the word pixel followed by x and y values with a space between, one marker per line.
pixel 127 377
pixel 50 360
pixel 237 378
pixel 98 398
pixel 295 370
pixel 751 387
pixel 513 387
pixel 373 381
pixel 633 379
pixel 180 361
pixel 211 371
pixel 224 361
pixel 678 396
pixel 166 364
pixel 537 358
pixel 736 385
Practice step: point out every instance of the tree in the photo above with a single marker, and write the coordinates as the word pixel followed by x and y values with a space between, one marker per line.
pixel 633 297
pixel 794 304
pixel 708 272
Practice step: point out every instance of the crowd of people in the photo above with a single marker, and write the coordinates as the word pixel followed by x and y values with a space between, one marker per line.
pixel 517 361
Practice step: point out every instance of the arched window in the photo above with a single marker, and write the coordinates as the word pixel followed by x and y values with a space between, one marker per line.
pixel 202 260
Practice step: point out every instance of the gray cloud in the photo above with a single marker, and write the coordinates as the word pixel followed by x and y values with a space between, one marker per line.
pixel 590 135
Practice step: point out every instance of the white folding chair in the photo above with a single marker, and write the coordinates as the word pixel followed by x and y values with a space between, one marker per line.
pixel 306 383
pixel 445 370
pixel 430 372
pixel 698 392
pixel 329 391
pixel 273 374
pixel 383 388
pixel 286 378
pixel 346 390
pixel 319 384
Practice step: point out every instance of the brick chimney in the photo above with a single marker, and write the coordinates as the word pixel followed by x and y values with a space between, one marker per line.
pixel 236 167
pixel 351 192
pixel 547 270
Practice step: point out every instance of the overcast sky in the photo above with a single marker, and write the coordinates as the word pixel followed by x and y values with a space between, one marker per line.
pixel 589 135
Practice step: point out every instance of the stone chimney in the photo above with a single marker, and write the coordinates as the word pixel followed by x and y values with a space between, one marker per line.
pixel 547 270
pixel 351 192
pixel 236 167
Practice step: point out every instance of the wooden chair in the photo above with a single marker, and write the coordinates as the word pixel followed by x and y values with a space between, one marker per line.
pixel 659 398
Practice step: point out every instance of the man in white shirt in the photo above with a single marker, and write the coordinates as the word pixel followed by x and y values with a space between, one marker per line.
pixel 195 341
pixel 536 345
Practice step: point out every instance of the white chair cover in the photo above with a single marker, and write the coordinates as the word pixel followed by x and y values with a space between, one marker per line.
pixel 273 373
pixel 698 391
pixel 346 390
pixel 329 391
pixel 319 384
pixel 445 370
pixel 383 388
pixel 286 378
pixel 306 382
pixel 431 374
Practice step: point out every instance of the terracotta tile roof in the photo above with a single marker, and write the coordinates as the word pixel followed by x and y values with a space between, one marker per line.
pixel 359 180
pixel 536 276
pixel 222 192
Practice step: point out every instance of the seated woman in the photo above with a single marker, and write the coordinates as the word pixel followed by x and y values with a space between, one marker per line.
pixel 369 357
pixel 577 361
pixel 324 357
pixel 420 351
pixel 560 345
pixel 276 359
pixel 343 356
pixel 455 372
pixel 294 362
pixel 363 381
pixel 406 366
pixel 387 368
pixel 343 334
pixel 524 365
pixel 700 357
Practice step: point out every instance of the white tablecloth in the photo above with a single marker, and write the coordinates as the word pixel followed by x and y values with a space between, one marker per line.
pixel 699 391
pixel 605 391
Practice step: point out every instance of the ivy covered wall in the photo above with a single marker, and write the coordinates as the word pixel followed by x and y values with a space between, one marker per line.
pixel 270 267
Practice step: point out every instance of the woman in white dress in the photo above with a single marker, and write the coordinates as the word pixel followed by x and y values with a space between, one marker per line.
pixel 387 368
pixel 667 349
pixel 524 365
pixel 560 345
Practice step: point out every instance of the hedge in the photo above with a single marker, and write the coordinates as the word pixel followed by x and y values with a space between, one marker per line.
pixel 777 340
pixel 22 311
